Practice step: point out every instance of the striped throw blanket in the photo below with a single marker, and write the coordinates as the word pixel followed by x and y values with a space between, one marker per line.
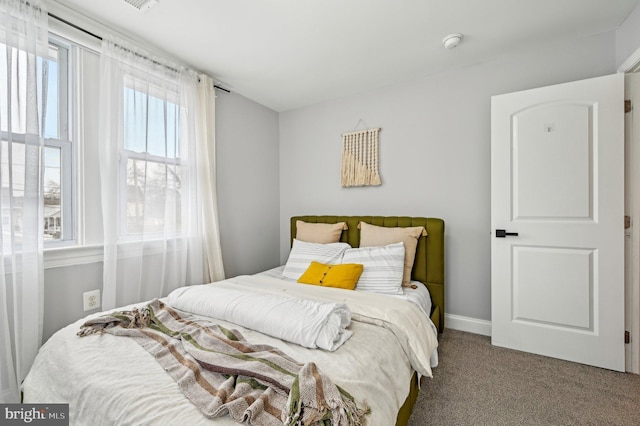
pixel 221 373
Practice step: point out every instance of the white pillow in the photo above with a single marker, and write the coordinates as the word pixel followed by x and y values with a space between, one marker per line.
pixel 302 253
pixel 383 267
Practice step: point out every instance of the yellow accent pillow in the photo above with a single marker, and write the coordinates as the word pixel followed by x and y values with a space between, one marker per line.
pixel 344 276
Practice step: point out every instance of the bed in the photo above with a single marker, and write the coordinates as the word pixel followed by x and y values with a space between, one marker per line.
pixel 108 380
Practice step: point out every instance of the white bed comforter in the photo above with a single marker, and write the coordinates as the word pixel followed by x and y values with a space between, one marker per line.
pixel 109 380
pixel 309 323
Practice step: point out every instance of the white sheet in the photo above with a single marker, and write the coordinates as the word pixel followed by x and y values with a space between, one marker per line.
pixel 113 381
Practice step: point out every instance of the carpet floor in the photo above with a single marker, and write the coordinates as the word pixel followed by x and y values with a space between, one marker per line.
pixel 480 384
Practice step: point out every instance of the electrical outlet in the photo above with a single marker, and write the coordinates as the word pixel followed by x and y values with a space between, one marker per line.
pixel 91 300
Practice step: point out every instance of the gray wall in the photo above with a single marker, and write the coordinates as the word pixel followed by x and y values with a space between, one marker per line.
pixel 434 153
pixel 247 179
pixel 63 288
pixel 628 37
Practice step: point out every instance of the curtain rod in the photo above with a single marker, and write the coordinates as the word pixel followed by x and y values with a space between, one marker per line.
pixel 71 24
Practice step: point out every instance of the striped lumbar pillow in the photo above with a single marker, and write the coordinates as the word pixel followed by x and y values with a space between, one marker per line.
pixel 383 267
pixel 303 253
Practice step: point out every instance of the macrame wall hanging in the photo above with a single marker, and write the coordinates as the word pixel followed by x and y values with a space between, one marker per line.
pixel 360 158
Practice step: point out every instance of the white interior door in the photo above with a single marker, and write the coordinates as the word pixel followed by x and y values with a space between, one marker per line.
pixel 557 181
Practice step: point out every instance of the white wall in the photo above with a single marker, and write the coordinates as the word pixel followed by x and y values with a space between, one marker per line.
pixel 434 153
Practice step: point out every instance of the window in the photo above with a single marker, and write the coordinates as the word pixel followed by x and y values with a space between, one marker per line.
pixel 150 161
pixel 57 155
pixel 59 223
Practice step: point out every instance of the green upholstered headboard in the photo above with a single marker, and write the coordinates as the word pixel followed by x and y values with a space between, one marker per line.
pixel 428 266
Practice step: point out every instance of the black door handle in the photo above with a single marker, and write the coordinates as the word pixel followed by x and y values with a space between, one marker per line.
pixel 501 233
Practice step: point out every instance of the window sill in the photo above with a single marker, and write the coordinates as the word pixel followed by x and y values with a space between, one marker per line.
pixel 69 256
pixel 57 257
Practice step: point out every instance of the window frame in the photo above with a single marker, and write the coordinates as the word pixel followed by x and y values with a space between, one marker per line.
pixel 65 142
pixel 126 154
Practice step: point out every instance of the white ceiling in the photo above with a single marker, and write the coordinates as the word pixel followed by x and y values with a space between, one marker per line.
pixel 286 54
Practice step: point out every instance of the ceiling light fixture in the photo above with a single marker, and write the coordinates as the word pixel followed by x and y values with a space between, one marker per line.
pixel 452 40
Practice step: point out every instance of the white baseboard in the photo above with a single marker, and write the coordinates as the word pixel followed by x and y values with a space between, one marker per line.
pixel 471 325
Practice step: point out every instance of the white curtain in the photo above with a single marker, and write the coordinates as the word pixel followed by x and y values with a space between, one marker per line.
pixel 23 39
pixel 157 176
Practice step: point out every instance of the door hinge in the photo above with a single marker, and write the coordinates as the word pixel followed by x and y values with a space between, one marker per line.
pixel 627 106
pixel 627 338
pixel 627 222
